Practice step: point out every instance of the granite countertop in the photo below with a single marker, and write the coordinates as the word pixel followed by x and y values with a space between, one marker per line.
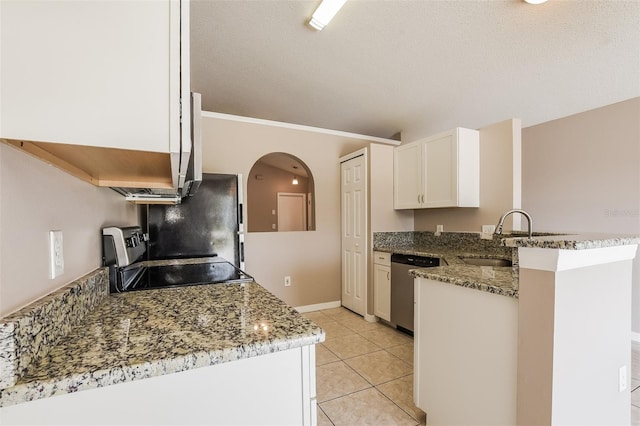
pixel 496 280
pixel 450 247
pixel 142 334
pixel 582 241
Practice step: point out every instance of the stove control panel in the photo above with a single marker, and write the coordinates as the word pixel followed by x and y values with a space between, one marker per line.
pixel 123 246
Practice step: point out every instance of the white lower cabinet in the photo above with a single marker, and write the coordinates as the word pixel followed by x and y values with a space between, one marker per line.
pixel 465 354
pixel 277 388
pixel 382 285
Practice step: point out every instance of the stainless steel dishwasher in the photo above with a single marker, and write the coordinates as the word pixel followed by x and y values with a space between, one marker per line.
pixel 402 287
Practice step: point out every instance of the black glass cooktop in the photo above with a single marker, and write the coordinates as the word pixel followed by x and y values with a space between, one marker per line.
pixel 179 275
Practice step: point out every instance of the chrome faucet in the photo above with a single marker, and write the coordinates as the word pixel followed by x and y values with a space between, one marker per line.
pixel 504 216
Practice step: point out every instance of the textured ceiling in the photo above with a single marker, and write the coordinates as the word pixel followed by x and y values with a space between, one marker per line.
pixel 417 67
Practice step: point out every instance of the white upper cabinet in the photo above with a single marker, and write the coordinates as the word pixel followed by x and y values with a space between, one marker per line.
pixel 95 74
pixel 407 176
pixel 438 171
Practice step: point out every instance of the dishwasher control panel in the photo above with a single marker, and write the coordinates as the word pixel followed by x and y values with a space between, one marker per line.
pixel 417 261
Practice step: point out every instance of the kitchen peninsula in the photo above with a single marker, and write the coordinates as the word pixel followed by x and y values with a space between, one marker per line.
pixel 532 344
pixel 205 352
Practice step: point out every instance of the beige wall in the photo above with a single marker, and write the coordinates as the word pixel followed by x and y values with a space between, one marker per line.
pixel 311 258
pixel 499 185
pixel 262 195
pixel 383 218
pixel 582 173
pixel 35 198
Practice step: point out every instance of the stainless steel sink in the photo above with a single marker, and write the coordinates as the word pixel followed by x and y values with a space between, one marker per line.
pixel 485 261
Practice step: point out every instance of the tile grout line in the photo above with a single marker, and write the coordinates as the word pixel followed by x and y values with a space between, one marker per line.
pixel 371 385
pixel 362 390
pixel 325 414
pixel 348 394
pixel 394 403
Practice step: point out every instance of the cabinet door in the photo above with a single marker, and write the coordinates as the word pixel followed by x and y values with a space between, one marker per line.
pixel 382 291
pixel 407 176
pixel 94 73
pixel 441 171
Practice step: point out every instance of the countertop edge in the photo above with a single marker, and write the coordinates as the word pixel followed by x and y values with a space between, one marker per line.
pixel 467 283
pixel 25 392
pixel 102 375
pixel 572 241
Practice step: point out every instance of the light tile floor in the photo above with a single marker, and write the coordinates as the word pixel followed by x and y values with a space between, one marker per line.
pixel 364 373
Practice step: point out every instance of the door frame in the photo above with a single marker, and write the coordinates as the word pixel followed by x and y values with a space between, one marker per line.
pixel 301 195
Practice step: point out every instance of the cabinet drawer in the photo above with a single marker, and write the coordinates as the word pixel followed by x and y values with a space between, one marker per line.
pixel 382 258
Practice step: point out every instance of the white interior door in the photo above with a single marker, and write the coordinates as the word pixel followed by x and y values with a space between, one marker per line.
pixel 354 234
pixel 292 212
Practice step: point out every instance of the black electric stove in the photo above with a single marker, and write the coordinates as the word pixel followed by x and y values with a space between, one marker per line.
pixel 124 249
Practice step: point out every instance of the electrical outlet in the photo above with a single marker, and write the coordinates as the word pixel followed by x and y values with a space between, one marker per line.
pixel 622 378
pixel 487 232
pixel 56 255
pixel 488 229
pixel 287 281
pixel 439 229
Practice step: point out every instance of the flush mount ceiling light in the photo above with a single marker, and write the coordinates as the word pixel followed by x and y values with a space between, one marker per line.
pixel 325 13
pixel 535 1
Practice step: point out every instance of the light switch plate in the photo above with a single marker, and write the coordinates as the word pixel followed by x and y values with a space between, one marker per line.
pixel 56 254
pixel 622 378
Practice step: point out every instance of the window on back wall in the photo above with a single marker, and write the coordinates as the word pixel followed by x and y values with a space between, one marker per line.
pixel 280 195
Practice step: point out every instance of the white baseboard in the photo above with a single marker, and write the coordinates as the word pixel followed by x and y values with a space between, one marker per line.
pixel 318 306
pixel 635 337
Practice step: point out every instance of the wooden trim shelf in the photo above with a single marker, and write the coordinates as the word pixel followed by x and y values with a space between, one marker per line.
pixel 104 166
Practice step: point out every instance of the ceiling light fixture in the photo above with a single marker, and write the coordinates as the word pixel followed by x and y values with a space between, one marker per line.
pixel 295 180
pixel 535 1
pixel 325 13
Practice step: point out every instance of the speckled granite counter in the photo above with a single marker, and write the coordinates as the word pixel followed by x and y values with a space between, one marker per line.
pixel 450 246
pixel 572 242
pixel 496 280
pixel 142 334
